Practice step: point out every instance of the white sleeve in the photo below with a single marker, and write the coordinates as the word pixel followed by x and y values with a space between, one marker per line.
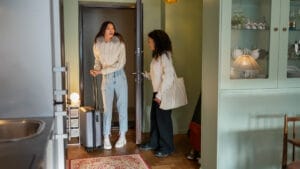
pixel 97 63
pixel 168 75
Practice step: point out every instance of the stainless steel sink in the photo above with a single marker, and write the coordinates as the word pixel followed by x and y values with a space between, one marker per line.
pixel 19 129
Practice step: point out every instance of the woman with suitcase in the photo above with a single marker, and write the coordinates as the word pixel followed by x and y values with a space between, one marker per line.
pixel 110 57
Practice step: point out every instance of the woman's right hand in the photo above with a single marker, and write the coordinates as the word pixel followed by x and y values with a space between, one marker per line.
pixel 146 75
pixel 94 73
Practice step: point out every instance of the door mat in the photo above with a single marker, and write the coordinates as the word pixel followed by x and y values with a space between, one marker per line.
pixel 133 161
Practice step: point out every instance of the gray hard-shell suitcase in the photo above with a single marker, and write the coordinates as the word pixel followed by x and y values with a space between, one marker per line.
pixel 90 128
pixel 91 123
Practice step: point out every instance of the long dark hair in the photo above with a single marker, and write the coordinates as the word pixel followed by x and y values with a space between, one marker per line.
pixel 162 43
pixel 103 28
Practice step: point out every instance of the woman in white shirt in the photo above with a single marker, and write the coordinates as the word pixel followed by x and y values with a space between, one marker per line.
pixel 110 57
pixel 162 76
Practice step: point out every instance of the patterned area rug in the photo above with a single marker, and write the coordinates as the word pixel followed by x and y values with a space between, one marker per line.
pixel 133 161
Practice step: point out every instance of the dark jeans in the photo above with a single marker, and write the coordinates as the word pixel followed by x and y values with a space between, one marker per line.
pixel 161 129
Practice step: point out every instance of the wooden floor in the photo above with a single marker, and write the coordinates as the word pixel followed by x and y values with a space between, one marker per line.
pixel 176 161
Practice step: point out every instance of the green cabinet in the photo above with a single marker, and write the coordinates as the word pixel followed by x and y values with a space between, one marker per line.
pixel 244 100
pixel 260 44
pixel 289 51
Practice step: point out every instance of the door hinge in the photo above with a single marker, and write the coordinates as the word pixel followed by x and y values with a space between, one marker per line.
pixel 61 136
pixel 60 69
pixel 60 92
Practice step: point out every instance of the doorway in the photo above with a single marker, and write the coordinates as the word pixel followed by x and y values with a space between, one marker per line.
pixel 91 18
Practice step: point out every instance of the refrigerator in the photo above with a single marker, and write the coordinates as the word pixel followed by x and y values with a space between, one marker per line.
pixel 32 67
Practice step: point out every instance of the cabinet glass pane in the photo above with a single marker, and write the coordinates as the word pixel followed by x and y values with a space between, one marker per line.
pixel 293 67
pixel 250 39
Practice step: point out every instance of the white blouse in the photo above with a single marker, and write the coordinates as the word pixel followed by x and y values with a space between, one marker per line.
pixel 109 56
pixel 162 74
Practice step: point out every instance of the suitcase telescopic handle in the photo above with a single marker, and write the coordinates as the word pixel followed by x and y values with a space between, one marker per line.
pixel 95 93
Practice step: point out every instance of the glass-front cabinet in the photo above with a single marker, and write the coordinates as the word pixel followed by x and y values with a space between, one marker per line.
pixel 289 56
pixel 260 44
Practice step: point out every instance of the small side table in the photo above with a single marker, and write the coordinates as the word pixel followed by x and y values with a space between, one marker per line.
pixel 73 125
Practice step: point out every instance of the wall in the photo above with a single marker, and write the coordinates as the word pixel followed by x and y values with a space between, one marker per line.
pixel 26 59
pixel 210 84
pixel 183 23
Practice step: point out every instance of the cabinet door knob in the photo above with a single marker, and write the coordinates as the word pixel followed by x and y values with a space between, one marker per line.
pixel 284 29
pixel 275 29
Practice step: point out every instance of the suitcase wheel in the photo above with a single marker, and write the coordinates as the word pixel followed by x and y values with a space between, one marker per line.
pixel 89 150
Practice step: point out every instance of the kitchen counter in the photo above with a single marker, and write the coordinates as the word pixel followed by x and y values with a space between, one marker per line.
pixel 28 153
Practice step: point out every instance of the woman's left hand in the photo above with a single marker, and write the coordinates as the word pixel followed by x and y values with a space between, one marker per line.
pixel 158 101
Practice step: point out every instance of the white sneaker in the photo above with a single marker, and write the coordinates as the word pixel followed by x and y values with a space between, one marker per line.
pixel 107 145
pixel 121 142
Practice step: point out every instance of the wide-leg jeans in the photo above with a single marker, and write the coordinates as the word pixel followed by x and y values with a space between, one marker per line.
pixel 161 129
pixel 115 84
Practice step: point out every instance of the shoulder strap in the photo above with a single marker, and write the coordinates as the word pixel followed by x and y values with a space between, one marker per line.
pixel 171 60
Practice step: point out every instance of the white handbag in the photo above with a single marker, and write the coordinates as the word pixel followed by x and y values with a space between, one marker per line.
pixel 175 96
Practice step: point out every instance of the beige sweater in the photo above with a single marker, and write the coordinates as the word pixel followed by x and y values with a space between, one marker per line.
pixel 109 56
pixel 162 74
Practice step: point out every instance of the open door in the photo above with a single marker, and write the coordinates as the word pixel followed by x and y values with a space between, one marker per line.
pixel 128 20
pixel 139 70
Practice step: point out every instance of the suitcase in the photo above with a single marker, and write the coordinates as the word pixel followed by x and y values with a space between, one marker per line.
pixel 195 136
pixel 195 127
pixel 90 128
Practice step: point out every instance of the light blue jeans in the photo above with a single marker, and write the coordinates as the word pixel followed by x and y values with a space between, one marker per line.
pixel 115 83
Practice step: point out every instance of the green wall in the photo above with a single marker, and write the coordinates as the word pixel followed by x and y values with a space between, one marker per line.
pixel 183 22
pixel 184 29
pixel 210 84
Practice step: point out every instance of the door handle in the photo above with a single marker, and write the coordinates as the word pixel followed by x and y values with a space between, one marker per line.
pixel 139 76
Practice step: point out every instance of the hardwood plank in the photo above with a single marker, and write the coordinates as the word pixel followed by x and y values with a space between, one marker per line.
pixel 176 160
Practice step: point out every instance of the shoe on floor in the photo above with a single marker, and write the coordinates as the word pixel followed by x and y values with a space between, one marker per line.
pixel 146 147
pixel 162 154
pixel 107 145
pixel 121 142
pixel 193 155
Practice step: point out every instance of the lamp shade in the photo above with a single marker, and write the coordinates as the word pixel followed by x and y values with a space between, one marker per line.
pixel 170 1
pixel 245 62
pixel 75 99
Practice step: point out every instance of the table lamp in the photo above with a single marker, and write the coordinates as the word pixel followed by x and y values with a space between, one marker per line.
pixel 246 65
pixel 170 1
pixel 75 99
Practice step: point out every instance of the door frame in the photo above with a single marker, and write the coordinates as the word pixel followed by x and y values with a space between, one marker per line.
pixel 138 53
pixel 139 71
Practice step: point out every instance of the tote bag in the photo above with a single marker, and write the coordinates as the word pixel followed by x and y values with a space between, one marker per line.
pixel 175 96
